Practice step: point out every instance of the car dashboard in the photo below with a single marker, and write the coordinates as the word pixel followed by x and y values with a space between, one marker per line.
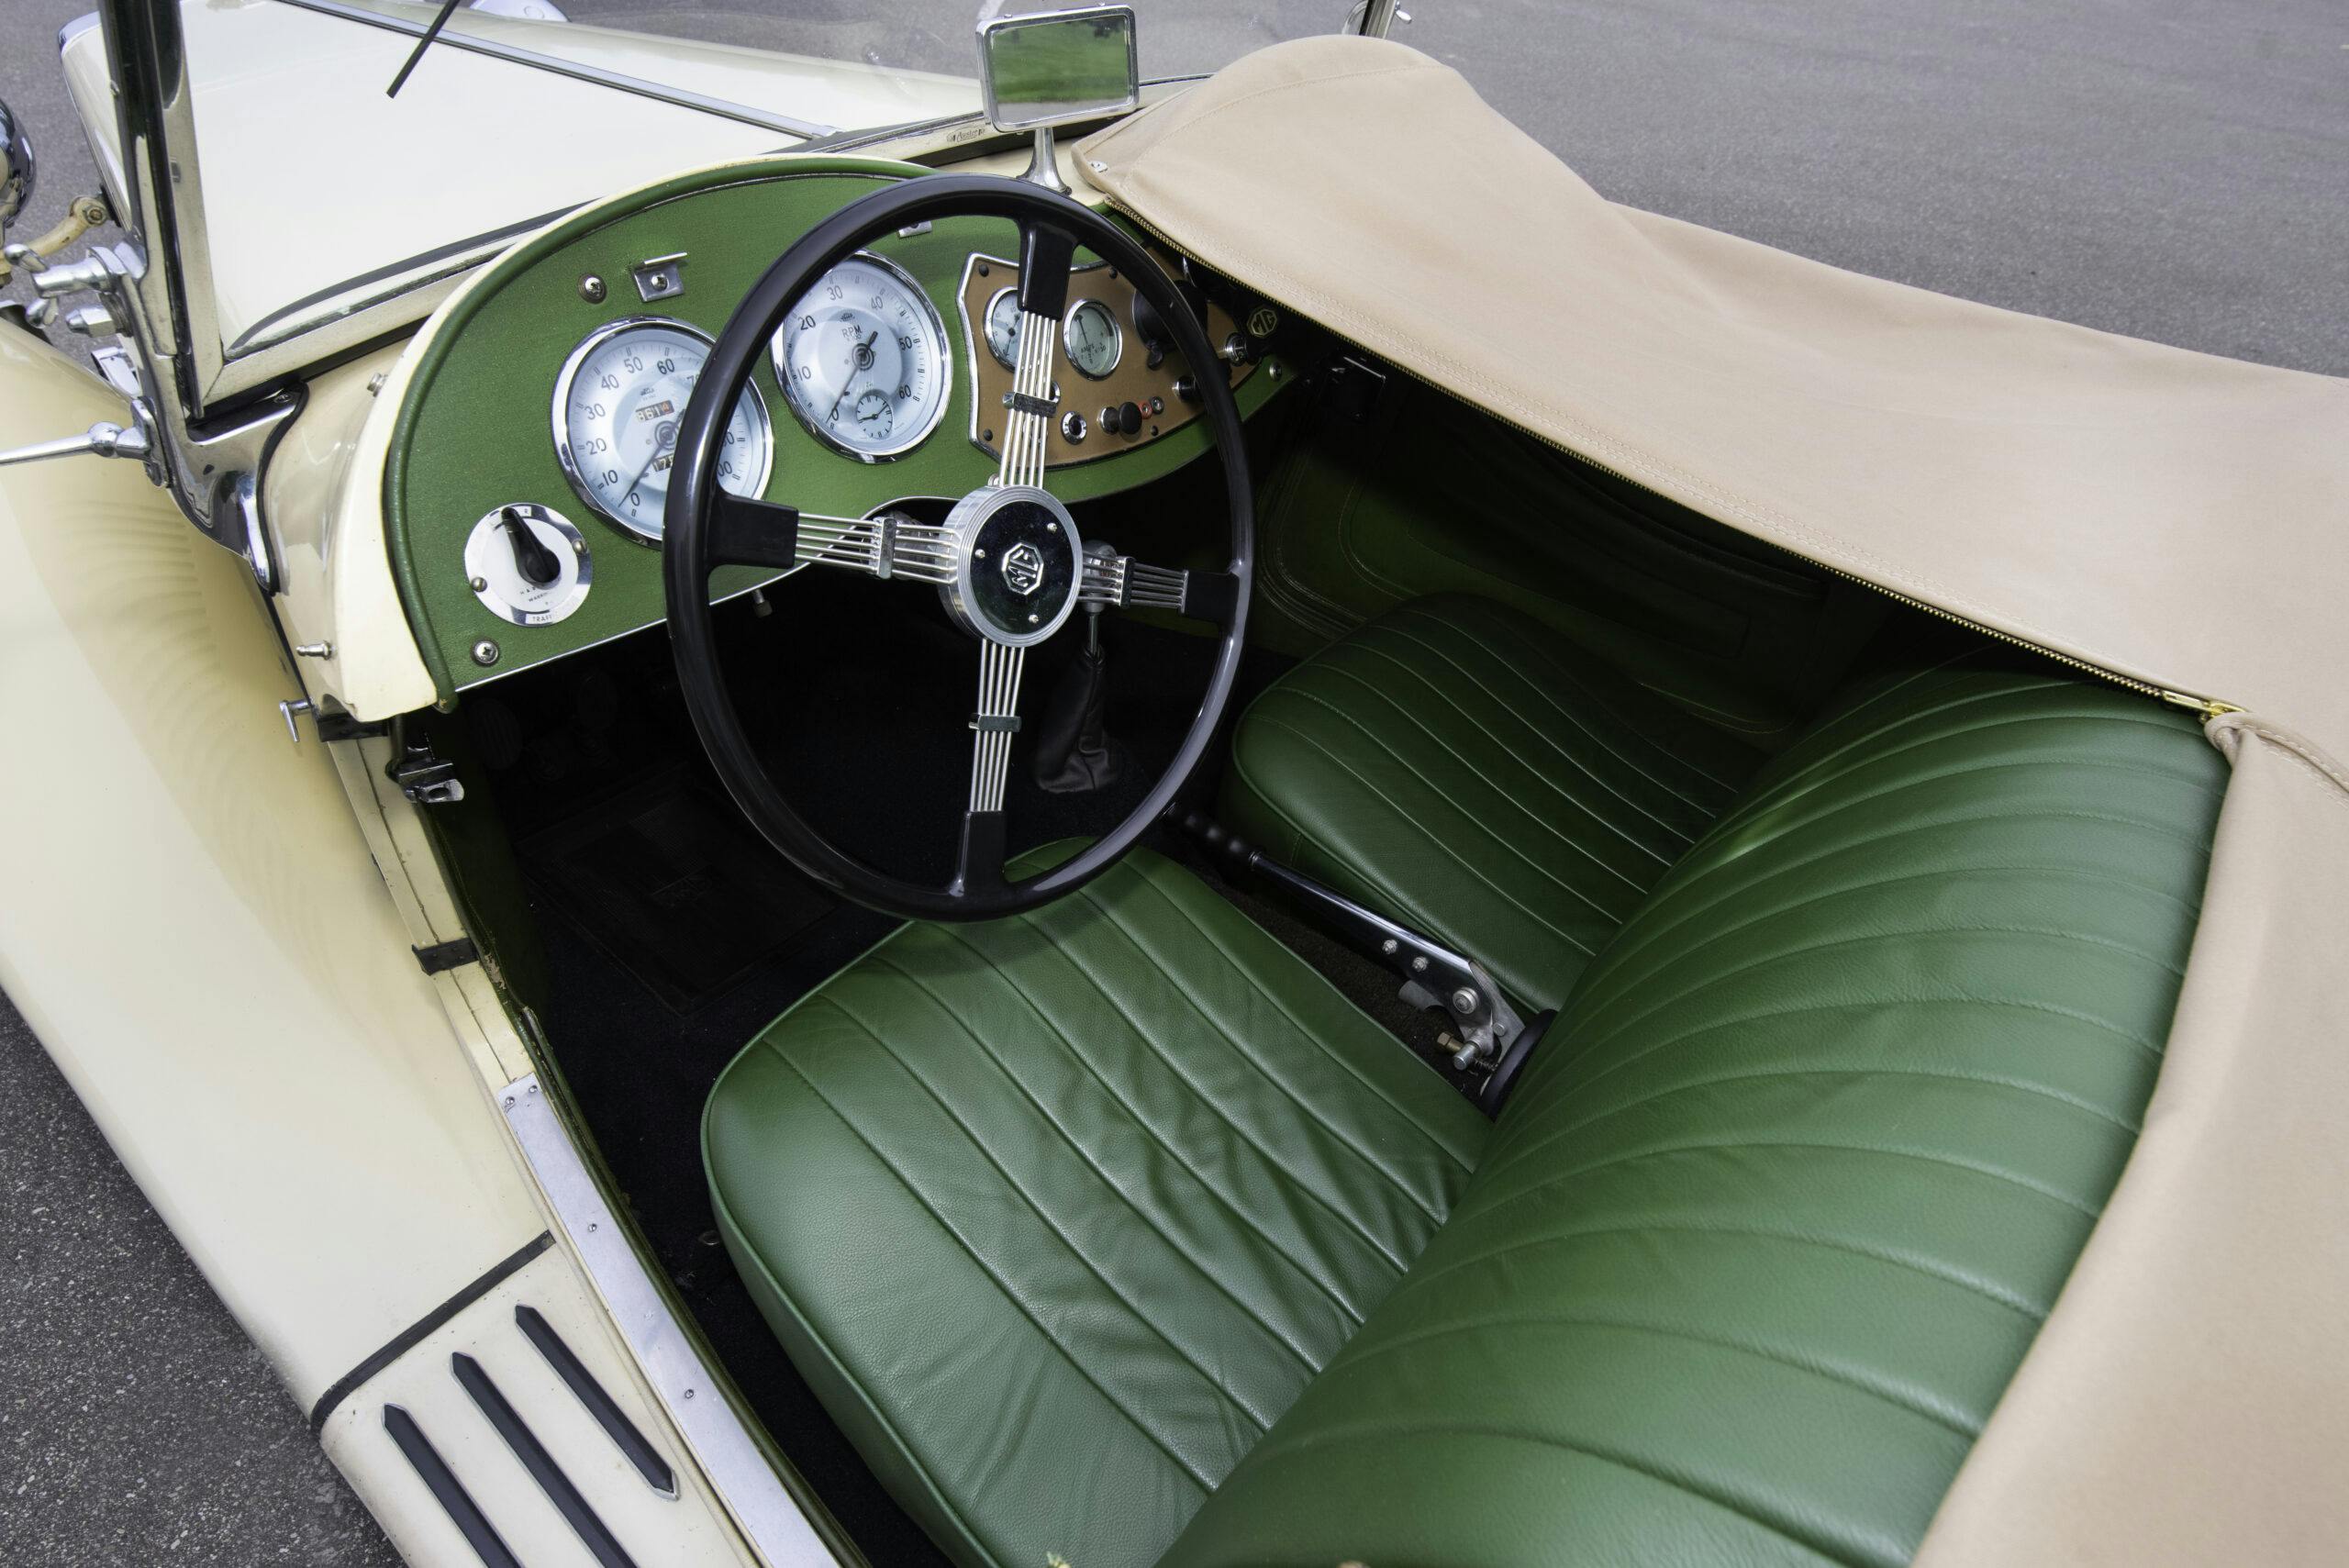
pixel 526 472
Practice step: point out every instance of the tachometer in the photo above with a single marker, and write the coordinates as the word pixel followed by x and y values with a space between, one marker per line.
pixel 863 359
pixel 617 405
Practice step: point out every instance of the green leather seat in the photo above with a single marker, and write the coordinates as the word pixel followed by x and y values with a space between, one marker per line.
pixel 1766 1229
pixel 1117 1227
pixel 1472 772
pixel 1058 1214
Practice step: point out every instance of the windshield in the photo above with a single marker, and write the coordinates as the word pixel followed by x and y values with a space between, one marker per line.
pixel 1174 37
pixel 525 108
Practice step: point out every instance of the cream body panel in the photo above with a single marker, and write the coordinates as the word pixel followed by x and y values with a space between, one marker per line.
pixel 192 923
pixel 322 498
pixel 685 1530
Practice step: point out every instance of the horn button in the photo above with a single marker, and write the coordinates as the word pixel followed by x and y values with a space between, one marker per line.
pixel 1016 580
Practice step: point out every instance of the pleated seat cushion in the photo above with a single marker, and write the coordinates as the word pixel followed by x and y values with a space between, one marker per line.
pixel 1058 1214
pixel 1468 771
pixel 1762 1237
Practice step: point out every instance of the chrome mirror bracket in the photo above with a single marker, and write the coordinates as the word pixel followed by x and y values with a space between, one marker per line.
pixel 1044 165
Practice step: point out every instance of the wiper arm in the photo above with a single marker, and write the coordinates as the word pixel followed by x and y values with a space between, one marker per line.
pixel 448 9
pixel 514 54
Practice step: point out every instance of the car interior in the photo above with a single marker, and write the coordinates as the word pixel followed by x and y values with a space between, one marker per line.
pixel 1594 1031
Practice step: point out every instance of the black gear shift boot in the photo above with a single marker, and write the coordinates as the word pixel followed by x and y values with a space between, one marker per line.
pixel 1074 752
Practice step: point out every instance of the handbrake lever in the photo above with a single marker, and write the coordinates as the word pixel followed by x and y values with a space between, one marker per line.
pixel 1485 1027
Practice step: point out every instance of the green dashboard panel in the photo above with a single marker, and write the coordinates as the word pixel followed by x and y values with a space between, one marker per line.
pixel 476 429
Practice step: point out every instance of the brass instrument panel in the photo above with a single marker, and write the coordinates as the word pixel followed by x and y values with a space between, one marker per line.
pixel 1118 389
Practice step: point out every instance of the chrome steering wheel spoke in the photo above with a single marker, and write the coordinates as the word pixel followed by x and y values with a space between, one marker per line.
pixel 886 546
pixel 993 722
pixel 1121 582
pixel 746 532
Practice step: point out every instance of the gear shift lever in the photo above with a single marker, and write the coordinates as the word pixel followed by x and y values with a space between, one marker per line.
pixel 1074 752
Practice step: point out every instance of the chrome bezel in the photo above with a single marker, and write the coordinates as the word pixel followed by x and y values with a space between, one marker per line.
pixel 1010 292
pixel 970 514
pixel 570 372
pixel 780 364
pixel 583 566
pixel 1116 335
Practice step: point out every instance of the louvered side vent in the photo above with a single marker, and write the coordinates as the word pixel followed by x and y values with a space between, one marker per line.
pixel 533 1398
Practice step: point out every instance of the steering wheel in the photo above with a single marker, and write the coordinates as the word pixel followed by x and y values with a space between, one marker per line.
pixel 1007 562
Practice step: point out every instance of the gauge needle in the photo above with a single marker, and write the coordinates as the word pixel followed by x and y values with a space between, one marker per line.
pixel 659 446
pixel 849 379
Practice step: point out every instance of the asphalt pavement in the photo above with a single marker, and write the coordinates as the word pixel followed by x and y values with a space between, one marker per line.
pixel 2172 169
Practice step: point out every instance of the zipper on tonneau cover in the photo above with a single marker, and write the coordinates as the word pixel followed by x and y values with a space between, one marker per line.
pixel 2207 708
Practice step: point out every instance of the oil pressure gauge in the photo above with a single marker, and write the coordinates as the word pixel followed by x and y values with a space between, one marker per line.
pixel 1092 339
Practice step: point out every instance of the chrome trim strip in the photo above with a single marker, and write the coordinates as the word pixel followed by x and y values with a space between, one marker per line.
pixel 746 1483
pixel 766 119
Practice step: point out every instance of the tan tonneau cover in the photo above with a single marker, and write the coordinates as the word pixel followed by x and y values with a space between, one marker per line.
pixel 2167 516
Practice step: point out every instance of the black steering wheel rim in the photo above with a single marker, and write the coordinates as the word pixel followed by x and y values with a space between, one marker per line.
pixel 694 494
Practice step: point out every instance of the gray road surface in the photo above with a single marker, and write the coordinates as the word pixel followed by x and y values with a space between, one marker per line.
pixel 2168 168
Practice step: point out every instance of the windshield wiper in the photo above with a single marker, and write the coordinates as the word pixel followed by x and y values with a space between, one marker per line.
pixel 514 54
pixel 448 9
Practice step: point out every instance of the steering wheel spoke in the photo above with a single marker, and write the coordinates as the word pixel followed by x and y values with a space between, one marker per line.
pixel 746 532
pixel 979 863
pixel 1121 582
pixel 994 722
pixel 884 546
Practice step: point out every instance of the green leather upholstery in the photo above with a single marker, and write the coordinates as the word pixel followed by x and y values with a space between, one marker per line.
pixel 1469 771
pixel 1762 1237
pixel 1057 1215
pixel 1088 1224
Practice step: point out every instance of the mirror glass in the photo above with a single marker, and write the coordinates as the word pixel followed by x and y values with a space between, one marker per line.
pixel 1047 68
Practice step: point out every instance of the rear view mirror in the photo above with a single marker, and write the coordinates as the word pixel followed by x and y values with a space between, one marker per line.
pixel 1046 68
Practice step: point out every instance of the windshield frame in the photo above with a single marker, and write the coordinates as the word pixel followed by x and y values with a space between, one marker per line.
pixel 162 204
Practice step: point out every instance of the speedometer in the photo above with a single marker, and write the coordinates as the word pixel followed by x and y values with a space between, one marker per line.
pixel 616 406
pixel 863 359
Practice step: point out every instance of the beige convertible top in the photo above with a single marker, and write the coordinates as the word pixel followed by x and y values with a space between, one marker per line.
pixel 2171 518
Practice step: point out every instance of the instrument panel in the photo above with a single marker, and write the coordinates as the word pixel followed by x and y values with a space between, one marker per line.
pixel 1128 385
pixel 524 488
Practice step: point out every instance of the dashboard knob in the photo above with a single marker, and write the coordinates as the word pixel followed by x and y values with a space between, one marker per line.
pixel 1187 389
pixel 533 559
pixel 1127 418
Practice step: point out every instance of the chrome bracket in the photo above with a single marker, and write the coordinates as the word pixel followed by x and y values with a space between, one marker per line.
pixel 660 277
pixel 1044 164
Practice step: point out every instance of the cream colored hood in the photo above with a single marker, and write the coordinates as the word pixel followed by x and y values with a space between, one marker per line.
pixel 2176 519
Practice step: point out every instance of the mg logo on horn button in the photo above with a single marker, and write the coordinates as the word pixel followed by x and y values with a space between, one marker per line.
pixel 1023 569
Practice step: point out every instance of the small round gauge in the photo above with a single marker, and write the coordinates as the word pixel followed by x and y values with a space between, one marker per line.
pixel 863 359
pixel 1092 337
pixel 1003 327
pixel 616 406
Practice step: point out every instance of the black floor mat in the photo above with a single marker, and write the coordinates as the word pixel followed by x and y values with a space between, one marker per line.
pixel 675 886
